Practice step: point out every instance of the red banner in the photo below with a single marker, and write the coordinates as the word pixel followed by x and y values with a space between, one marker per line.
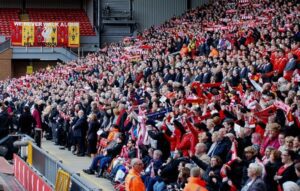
pixel 48 34
pixel 27 177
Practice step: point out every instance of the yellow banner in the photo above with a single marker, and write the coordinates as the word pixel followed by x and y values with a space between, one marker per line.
pixel 29 70
pixel 29 153
pixel 27 34
pixel 62 182
pixel 50 34
pixel 74 34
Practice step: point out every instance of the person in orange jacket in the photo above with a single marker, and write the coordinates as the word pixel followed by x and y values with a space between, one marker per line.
pixel 195 183
pixel 133 181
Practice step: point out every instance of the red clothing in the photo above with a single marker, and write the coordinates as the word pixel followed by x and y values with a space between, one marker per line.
pixel 174 139
pixel 185 144
pixel 37 117
pixel 268 142
pixel 280 63
pixel 195 133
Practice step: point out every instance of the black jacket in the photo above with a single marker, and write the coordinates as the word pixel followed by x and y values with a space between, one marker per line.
pixel 113 149
pixel 26 123
pixel 211 186
pixel 79 127
pixel 92 131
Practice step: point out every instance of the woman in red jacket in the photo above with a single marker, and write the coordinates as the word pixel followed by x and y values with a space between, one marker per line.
pixel 176 136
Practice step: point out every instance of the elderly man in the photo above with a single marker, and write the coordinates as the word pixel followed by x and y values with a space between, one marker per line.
pixel 79 129
pixel 200 152
pixel 133 181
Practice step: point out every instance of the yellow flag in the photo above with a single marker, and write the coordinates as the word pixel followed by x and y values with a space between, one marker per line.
pixel 74 34
pixel 27 34
pixel 62 182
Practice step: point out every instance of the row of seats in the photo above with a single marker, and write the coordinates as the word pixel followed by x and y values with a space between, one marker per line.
pixel 75 15
pixel 41 15
pixel 6 17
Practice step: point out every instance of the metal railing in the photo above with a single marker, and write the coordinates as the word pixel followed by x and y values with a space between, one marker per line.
pixel 5 45
pixel 47 167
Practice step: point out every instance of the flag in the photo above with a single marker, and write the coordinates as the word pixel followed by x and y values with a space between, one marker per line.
pixel 27 34
pixel 74 34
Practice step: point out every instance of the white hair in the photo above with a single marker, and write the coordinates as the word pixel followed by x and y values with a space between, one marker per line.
pixel 290 186
pixel 257 168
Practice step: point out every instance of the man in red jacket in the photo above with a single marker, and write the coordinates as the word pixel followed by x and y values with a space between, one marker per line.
pixel 280 61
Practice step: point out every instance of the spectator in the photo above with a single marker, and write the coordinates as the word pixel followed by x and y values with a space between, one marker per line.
pixel 287 171
pixel 26 122
pixel 195 182
pixel 255 181
pixel 92 134
pixel 100 162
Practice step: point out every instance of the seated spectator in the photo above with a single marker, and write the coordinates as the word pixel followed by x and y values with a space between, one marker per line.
pixel 100 162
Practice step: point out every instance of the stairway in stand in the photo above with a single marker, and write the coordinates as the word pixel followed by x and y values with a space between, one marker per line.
pixel 24 17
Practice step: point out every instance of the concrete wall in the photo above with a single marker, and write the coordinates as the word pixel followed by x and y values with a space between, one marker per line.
pixel 19 67
pixel 88 7
pixel 197 3
pixel 72 4
pixel 10 3
pixel 154 12
pixel 5 64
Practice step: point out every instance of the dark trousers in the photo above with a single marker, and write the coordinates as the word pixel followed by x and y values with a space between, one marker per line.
pixel 38 136
pixel 104 161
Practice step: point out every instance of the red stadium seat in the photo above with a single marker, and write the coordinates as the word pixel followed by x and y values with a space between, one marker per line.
pixel 6 17
pixel 67 15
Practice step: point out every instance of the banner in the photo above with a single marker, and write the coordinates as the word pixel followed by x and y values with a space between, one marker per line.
pixel 62 182
pixel 73 32
pixel 27 177
pixel 16 33
pixel 49 34
pixel 27 34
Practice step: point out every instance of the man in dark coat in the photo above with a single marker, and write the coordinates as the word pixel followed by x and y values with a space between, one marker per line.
pixel 3 121
pixel 79 131
pixel 26 122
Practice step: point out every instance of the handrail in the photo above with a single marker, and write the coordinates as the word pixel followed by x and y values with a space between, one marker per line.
pixel 75 178
pixel 4 46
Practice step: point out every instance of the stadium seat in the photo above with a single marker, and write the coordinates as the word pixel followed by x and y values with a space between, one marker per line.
pixel 67 15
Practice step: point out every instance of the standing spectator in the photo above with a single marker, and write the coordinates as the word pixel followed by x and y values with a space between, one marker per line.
pixel 287 171
pixel 26 122
pixel 3 121
pixel 272 137
pixel 255 181
pixel 92 135
pixel 271 168
pixel 78 128
pixel 38 125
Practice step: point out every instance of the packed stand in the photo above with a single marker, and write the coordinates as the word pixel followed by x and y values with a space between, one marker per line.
pixel 205 101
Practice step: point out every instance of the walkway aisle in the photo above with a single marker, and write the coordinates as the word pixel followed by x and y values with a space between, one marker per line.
pixel 77 164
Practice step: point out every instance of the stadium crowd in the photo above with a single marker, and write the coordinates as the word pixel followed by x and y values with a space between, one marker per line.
pixel 209 100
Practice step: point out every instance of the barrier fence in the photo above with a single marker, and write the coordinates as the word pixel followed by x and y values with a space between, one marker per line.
pixel 54 172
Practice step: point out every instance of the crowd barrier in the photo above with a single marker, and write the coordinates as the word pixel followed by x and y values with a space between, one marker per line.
pixel 53 172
